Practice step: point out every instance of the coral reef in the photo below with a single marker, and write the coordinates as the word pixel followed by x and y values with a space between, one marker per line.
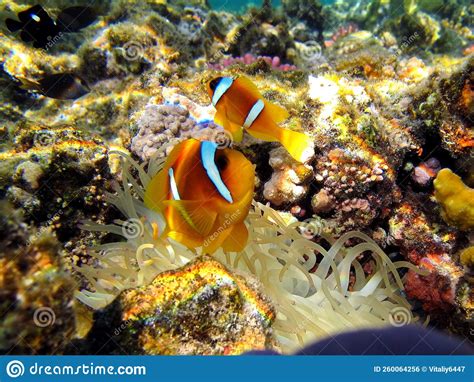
pixel 385 91
pixel 160 124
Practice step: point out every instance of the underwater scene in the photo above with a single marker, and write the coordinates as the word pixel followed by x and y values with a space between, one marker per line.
pixel 225 177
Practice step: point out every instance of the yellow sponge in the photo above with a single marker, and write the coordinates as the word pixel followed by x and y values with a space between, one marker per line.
pixel 467 256
pixel 456 199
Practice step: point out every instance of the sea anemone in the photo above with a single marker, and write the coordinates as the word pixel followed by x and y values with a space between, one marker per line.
pixel 310 304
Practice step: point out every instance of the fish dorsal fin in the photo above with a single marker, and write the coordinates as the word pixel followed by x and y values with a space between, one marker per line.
pixel 276 112
pixel 249 86
pixel 208 152
pixel 195 213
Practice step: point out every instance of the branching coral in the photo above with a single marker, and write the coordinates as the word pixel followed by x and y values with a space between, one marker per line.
pixel 336 297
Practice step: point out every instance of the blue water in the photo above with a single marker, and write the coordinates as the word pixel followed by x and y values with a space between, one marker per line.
pixel 237 5
pixel 241 5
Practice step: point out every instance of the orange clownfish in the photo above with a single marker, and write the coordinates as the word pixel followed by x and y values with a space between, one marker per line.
pixel 204 194
pixel 240 106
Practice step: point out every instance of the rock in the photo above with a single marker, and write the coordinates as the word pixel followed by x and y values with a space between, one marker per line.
pixel 199 309
pixel 36 295
pixel 30 173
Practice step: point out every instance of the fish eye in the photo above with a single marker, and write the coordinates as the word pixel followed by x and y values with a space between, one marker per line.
pixel 222 162
pixel 213 84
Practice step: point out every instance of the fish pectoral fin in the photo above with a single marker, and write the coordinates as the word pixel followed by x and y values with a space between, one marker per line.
pixel 215 240
pixel 220 118
pixel 237 238
pixel 195 213
pixel 276 112
pixel 185 239
pixel 234 129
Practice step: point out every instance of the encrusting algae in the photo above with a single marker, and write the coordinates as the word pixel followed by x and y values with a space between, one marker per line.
pixel 201 308
pixel 308 305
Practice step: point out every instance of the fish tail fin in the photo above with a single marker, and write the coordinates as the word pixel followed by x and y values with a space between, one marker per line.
pixel 13 25
pixel 277 112
pixel 298 145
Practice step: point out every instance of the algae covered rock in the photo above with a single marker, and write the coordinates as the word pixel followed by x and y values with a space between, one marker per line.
pixel 200 308
pixel 36 294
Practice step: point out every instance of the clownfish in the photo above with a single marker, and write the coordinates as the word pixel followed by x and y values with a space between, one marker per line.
pixel 204 194
pixel 240 106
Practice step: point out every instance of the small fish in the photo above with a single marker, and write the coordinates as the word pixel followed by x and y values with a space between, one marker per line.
pixel 36 25
pixel 240 106
pixel 73 19
pixel 204 194
pixel 59 86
